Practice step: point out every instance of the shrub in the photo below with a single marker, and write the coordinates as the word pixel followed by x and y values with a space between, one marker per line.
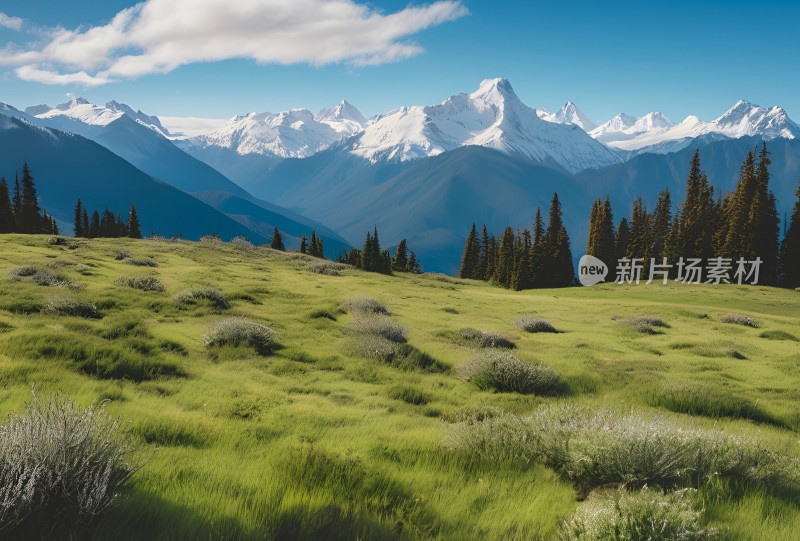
pixel 503 372
pixel 60 468
pixel 213 296
pixel 534 324
pixel 594 448
pixel 485 339
pixel 740 319
pixel 71 307
pixel 328 268
pixel 144 283
pixel 18 273
pixel 242 243
pixel 623 515
pixel 365 304
pixel 237 332
pixel 119 255
pixel 410 395
pixel 647 324
pixel 778 335
pixel 701 400
pixel 142 262
pixel 49 279
pixel 322 314
pixel 379 326
pixel 402 356
pixel 55 240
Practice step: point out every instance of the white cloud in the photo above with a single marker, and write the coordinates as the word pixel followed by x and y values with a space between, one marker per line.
pixel 14 23
pixel 158 36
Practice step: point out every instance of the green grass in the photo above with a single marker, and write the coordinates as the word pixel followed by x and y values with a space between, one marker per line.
pixel 320 440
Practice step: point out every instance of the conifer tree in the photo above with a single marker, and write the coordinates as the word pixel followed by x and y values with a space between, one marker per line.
pixel 413 264
pixel 470 261
pixel 699 214
pixel 522 275
pixel 538 251
pixel 505 258
pixel 28 217
pixel 17 198
pixel 763 221
pixel 386 262
pixel 303 244
pixel 94 225
pixel 85 223
pixel 7 221
pixel 661 224
pixel 640 243
pixel 790 250
pixel 622 239
pixel 738 239
pixel 77 223
pixel 559 271
pixel 134 228
pixel 277 241
pixel 400 262
pixel 483 263
pixel 491 258
pixel 601 234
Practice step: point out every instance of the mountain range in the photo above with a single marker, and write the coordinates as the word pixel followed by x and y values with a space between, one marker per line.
pixel 425 173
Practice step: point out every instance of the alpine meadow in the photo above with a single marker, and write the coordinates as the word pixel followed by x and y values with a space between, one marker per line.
pixel 246 309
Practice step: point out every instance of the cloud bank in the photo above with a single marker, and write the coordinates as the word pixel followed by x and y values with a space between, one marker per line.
pixel 158 36
pixel 14 23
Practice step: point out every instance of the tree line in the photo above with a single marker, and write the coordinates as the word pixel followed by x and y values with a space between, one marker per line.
pixel 743 224
pixel 373 258
pixel 107 225
pixel 20 212
pixel 522 259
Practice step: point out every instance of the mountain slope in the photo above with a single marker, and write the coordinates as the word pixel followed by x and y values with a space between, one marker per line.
pixel 67 167
pixel 568 114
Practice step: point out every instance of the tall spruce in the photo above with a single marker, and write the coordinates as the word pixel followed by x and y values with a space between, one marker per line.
pixel 28 217
pixel 698 214
pixel 640 243
pixel 85 223
pixel 483 265
pixel 16 201
pixel 521 278
pixel 737 238
pixel 763 221
pixel 303 244
pixel 622 238
pixel 277 241
pixel 471 259
pixel 601 243
pixel 538 249
pixel 505 258
pixel 661 224
pixel 400 261
pixel 134 228
pixel 8 223
pixel 559 270
pixel 790 249
pixel 94 225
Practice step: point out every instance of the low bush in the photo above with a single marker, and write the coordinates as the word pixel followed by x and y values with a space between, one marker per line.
pixel 60 469
pixel 646 514
pixel 778 335
pixel 534 324
pixel 143 283
pixel 71 307
pixel 120 255
pixel 24 271
pixel 242 243
pixel 593 448
pixel 486 339
pixel 55 240
pixel 402 356
pixel 372 324
pixel 141 262
pixel 322 314
pixel 192 297
pixel 328 268
pixel 740 319
pixel 647 324
pixel 238 332
pixel 694 399
pixel 365 304
pixel 503 372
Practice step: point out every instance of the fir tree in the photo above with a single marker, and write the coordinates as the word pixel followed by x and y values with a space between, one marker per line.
pixel 134 227
pixel 28 217
pixel 77 226
pixel 17 199
pixel 414 265
pixel 94 225
pixel 85 223
pixel 559 270
pixel 601 234
pixel 738 239
pixel 303 244
pixel 470 261
pixel 521 278
pixel 790 250
pixel 640 243
pixel 505 258
pixel 386 262
pixel 7 221
pixel 699 214
pixel 763 221
pixel 661 224
pixel 538 251
pixel 400 262
pixel 277 241
pixel 491 258
pixel 483 262
pixel 622 238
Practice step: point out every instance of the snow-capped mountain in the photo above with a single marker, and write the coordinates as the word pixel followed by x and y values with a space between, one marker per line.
pixel 493 117
pixel 63 116
pixel 290 134
pixel 656 133
pixel 568 114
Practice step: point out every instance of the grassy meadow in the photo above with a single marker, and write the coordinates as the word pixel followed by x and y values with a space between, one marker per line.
pixel 313 438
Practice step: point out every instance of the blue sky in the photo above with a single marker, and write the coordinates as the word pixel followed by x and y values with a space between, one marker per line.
pixel 676 57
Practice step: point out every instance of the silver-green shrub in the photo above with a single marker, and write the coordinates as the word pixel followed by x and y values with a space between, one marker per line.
pixel 534 324
pixel 237 332
pixel 503 372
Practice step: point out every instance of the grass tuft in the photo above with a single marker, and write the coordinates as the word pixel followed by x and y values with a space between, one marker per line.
pixel 647 324
pixel 143 283
pixel 503 372
pixel 141 262
pixel 192 297
pixel 486 339
pixel 410 395
pixel 778 335
pixel 236 332
pixel 366 305
pixel 534 324
pixel 71 307
pixel 328 268
pixel 740 319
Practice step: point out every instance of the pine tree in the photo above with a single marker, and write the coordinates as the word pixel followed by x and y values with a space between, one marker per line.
pixel 538 251
pixel 699 214
pixel 386 262
pixel 78 223
pixel 491 258
pixel 640 243
pixel 17 199
pixel 559 271
pixel 28 217
pixel 622 238
pixel 400 262
pixel 85 223
pixel 414 265
pixel 738 238
pixel 483 263
pixel 470 261
pixel 505 258
pixel 661 224
pixel 94 225
pixel 303 244
pixel 522 275
pixel 763 221
pixel 790 250
pixel 594 219
pixel 134 228
pixel 277 241
pixel 8 223
pixel 601 235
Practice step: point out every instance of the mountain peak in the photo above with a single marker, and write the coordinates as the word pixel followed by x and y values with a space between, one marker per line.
pixel 344 111
pixel 74 102
pixel 571 114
